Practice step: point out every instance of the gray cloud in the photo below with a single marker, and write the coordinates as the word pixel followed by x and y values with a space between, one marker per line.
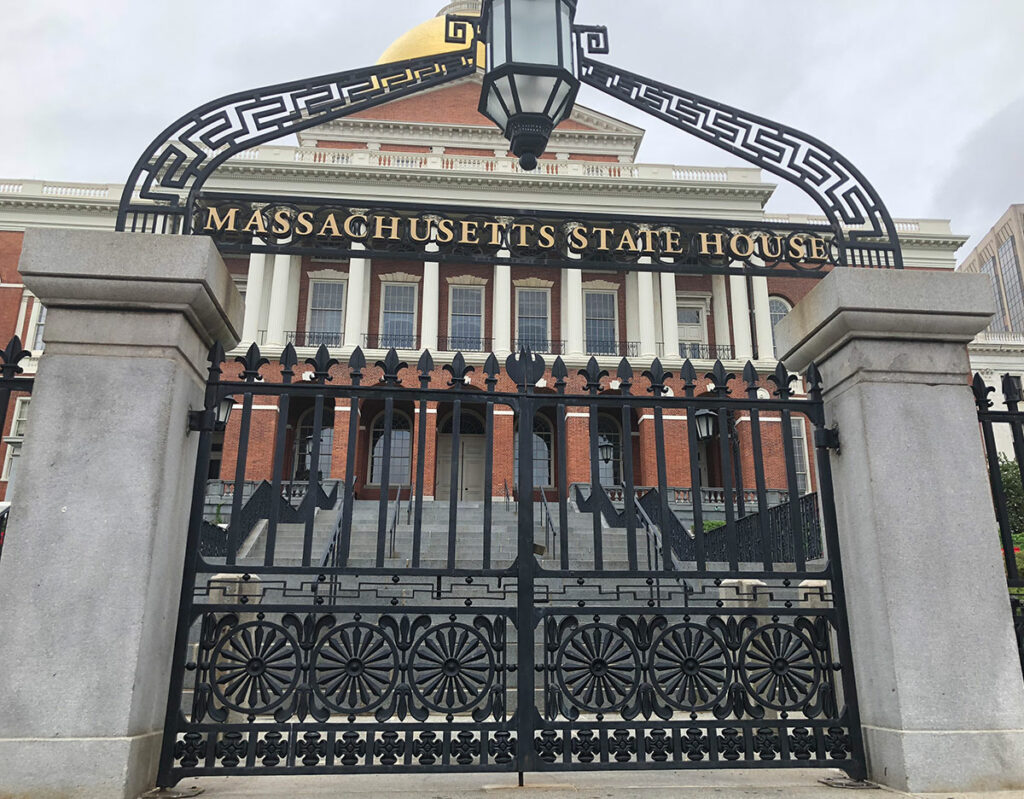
pixel 918 93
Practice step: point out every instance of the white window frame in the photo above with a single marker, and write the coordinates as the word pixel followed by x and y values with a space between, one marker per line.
pixel 483 310
pixel 33 326
pixel 789 307
pixel 701 302
pixel 802 443
pixel 547 292
pixel 370 476
pixel 344 305
pixel 415 308
pixel 13 441
pixel 616 335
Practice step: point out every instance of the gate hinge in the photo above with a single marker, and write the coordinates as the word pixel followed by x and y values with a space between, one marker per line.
pixel 827 437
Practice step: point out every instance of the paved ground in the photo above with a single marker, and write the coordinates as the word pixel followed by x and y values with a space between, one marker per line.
pixel 802 784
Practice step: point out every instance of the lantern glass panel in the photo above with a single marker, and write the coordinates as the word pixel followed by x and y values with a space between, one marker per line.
pixel 495 109
pixel 535 92
pixel 558 106
pixel 534 32
pixel 565 11
pixel 497 52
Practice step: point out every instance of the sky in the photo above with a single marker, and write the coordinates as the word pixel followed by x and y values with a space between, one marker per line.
pixel 926 97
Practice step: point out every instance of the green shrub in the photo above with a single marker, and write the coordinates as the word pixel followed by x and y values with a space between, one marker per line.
pixel 1009 470
pixel 710 527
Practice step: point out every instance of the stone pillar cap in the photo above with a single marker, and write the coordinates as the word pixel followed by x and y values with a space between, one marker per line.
pixel 104 270
pixel 893 305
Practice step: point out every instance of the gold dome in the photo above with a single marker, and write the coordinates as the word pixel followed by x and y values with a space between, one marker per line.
pixel 426 40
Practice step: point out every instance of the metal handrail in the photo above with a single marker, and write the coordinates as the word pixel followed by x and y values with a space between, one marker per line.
pixel 509 500
pixel 549 525
pixel 330 551
pixel 394 519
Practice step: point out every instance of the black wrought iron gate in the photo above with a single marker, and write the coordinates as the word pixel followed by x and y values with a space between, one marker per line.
pixel 590 627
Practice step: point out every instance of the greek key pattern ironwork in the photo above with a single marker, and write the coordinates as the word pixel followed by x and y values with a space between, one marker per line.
pixel 860 220
pixel 165 181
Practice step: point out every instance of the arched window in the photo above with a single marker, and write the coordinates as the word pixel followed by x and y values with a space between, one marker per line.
pixel 777 308
pixel 543 453
pixel 609 432
pixel 470 424
pixel 304 448
pixel 401 450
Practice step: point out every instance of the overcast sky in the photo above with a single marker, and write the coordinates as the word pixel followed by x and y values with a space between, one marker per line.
pixel 925 96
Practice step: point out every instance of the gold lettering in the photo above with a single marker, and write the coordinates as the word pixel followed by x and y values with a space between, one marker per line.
pixel 214 221
pixel 546 236
pixel 350 231
pixel 495 228
pixel 282 222
pixel 603 233
pixel 331 224
pixel 673 243
pixel 414 225
pixel 304 223
pixel 747 245
pixel 470 232
pixel 798 248
pixel 647 237
pixel 707 240
pixel 578 240
pixel 445 231
pixel 522 228
pixel 255 224
pixel 767 252
pixel 819 249
pixel 628 242
pixel 391 222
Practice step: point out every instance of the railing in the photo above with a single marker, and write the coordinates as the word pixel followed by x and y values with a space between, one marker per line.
pixel 550 531
pixel 312 338
pixel 1006 479
pixel 619 349
pixel 706 352
pixel 539 345
pixel 463 344
pixel 999 337
pixel 708 496
pixel 499 165
pixel 393 526
pixel 509 500
pixel 387 341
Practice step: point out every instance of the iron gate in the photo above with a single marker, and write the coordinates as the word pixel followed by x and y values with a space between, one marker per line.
pixel 403 634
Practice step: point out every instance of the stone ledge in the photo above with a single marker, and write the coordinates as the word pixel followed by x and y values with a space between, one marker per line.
pixel 851 304
pixel 103 270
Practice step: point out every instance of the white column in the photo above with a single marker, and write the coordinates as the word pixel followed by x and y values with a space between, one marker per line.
pixel 720 309
pixel 431 302
pixel 501 320
pixel 291 314
pixel 279 291
pixel 669 319
pixel 572 322
pixel 645 296
pixel 83 716
pixel 744 346
pixel 936 663
pixel 358 272
pixel 763 320
pixel 253 297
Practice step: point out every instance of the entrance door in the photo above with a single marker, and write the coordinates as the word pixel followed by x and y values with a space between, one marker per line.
pixel 471 467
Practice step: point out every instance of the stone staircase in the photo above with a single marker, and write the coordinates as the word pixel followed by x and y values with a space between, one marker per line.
pixel 469 546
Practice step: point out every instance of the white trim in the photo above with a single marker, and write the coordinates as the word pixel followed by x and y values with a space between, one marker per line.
pixel 533 283
pixel 257 407
pixel 600 285
pixel 483 307
pixel 417 410
pixel 649 417
pixel 466 280
pixel 327 274
pixel 515 320
pixel 400 277
pixel 693 299
pixel 584 415
pixel 309 301
pixel 504 413
pixel 762 419
pixel 415 304
pixel 33 323
pixel 614 292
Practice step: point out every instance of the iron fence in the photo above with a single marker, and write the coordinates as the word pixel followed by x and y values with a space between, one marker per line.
pixel 345 640
pixel 1006 480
